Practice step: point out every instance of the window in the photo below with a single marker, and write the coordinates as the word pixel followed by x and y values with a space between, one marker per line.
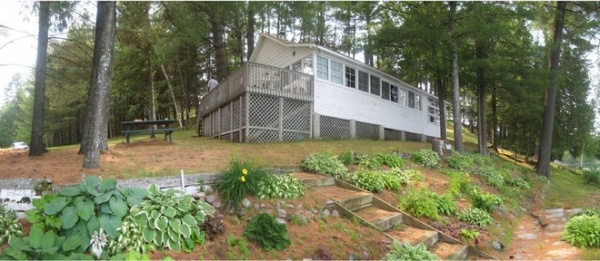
pixel 322 68
pixel 337 72
pixel 394 93
pixel 418 102
pixel 307 65
pixel 363 81
pixel 385 90
pixel 402 97
pixel 350 77
pixel 375 88
pixel 297 66
pixel 411 99
pixel 433 110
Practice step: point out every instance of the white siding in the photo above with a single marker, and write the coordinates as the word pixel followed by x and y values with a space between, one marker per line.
pixel 276 54
pixel 352 104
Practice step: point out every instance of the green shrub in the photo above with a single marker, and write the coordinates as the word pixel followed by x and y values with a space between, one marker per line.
pixel 492 176
pixel 475 216
pixel 390 160
pixel 460 184
pixel 400 175
pixel 371 180
pixel 346 157
pixel 446 204
pixel 420 203
pixel 414 175
pixel 391 182
pixel 591 177
pixel 486 201
pixel 325 164
pixel 282 186
pixel 427 158
pixel 265 230
pixel 44 246
pixel 367 161
pixel 240 180
pixel 407 252
pixel 37 217
pixel 10 227
pixel 583 231
pixel 469 235
pixel 589 212
pixel 481 161
pixel 518 183
pixel 460 161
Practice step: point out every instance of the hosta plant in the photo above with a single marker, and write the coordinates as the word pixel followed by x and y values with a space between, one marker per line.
pixel 427 158
pixel 518 183
pixel 371 180
pixel 369 162
pixel 44 246
pixel 10 227
pixel 486 201
pixel 420 203
pixel 269 233
pixel 240 180
pixel 468 235
pixel 475 216
pixel 407 252
pixel 390 160
pixel 400 175
pixel 445 204
pixel 583 231
pixel 324 163
pixel 492 176
pixel 171 219
pixel 460 161
pixel 282 186
pixel 37 217
pixel 130 238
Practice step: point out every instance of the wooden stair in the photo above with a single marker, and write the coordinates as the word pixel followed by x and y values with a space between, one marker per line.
pixel 354 202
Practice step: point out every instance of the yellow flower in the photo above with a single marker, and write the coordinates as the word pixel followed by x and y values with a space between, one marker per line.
pixel 242 178
pixel 245 171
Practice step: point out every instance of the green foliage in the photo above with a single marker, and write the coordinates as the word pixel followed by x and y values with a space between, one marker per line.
pixel 37 217
pixel 346 158
pixel 241 243
pixel 469 234
pixel 368 162
pixel 518 183
pixel 475 216
pixel 240 180
pixel 390 160
pixel 282 186
pixel 39 245
pixel 265 230
pixel 414 175
pixel 591 177
pixel 399 175
pixel 171 219
pixel 481 161
pixel 131 256
pixel 460 184
pixel 460 161
pixel 213 226
pixel 130 239
pixel 407 252
pixel 589 212
pixel 583 231
pixel 446 204
pixel 427 158
pixel 324 163
pixel 492 176
pixel 420 203
pixel 10 227
pixel 371 180
pixel 486 201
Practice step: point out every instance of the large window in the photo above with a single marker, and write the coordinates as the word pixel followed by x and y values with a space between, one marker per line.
pixel 363 81
pixel 322 68
pixel 433 110
pixel 350 77
pixel 414 101
pixel 375 88
pixel 337 73
pixel 402 97
pixel 394 93
pixel 385 90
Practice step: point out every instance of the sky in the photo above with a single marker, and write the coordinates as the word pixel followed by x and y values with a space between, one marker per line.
pixel 18 42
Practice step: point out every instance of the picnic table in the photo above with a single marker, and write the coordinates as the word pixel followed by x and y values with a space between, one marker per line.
pixel 145 127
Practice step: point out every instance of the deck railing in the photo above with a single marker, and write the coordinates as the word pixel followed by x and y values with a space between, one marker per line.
pixel 261 79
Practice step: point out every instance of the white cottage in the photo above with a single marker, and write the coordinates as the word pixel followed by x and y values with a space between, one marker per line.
pixel 294 91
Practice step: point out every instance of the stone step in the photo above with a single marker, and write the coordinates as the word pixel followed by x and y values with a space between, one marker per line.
pixel 380 218
pixel 448 251
pixel 350 199
pixel 314 180
pixel 414 236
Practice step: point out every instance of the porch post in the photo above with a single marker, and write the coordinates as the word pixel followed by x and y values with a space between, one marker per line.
pixel 352 129
pixel 381 132
pixel 316 126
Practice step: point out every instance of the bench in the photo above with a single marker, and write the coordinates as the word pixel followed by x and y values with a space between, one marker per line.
pixel 145 127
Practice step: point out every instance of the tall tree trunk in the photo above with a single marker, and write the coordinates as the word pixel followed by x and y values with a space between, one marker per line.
pixel 250 31
pixel 458 143
pixel 495 135
pixel 543 164
pixel 442 102
pixel 219 44
pixel 177 110
pixel 481 54
pixel 99 93
pixel 36 143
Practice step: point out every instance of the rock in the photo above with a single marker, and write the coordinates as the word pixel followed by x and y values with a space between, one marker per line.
pixel 210 199
pixel 299 212
pixel 364 255
pixel 280 221
pixel 281 213
pixel 314 211
pixel 230 210
pixel 325 213
pixel 299 206
pixel 199 195
pixel 256 206
pixel 353 257
pixel 216 204
pixel 335 213
pixel 497 246
pixel 246 203
pixel 330 202
pixel 263 205
pixel 290 206
pixel 241 212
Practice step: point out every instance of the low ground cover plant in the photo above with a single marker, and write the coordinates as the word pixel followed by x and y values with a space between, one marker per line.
pixel 371 180
pixel 460 161
pixel 44 246
pixel 519 183
pixel 407 252
pixel 427 158
pixel 390 160
pixel 583 231
pixel 420 203
pixel 280 186
pixel 591 177
pixel 369 162
pixel 240 180
pixel 324 163
pixel 486 201
pixel 10 227
pixel 475 216
pixel 269 233
pixel 492 176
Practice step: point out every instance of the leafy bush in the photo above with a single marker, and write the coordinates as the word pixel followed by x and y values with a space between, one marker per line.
pixel 460 184
pixel 469 234
pixel 37 217
pixel 583 231
pixel 265 230
pixel 325 164
pixel 392 182
pixel 427 158
pixel 171 219
pixel 370 180
pixel 390 160
pixel 475 216
pixel 240 180
pixel 9 225
pixel 48 246
pixel 486 201
pixel 518 183
pixel 367 161
pixel 420 203
pixel 283 186
pixel 492 176
pixel 213 226
pixel 407 252
pixel 481 161
pixel 414 175
pixel 591 177
pixel 460 161
pixel 130 239
pixel 400 175
pixel 346 157
pixel 589 212
pixel 446 204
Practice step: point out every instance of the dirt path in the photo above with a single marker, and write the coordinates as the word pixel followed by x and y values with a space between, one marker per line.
pixel 532 241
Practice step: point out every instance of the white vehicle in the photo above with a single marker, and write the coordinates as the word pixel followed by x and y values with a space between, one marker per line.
pixel 19 145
